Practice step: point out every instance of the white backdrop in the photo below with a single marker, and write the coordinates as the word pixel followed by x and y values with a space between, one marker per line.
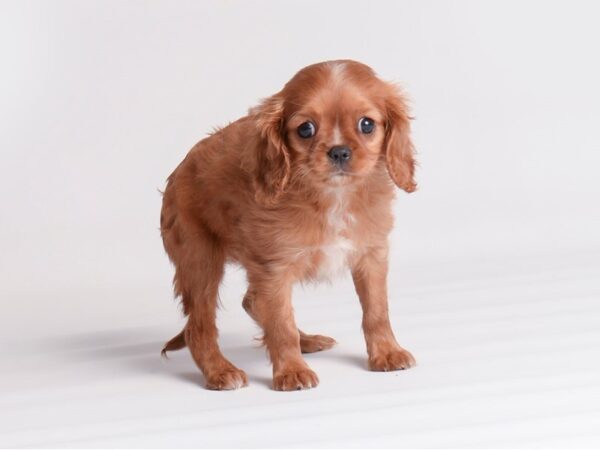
pixel 99 101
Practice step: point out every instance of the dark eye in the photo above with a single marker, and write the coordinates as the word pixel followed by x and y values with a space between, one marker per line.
pixel 306 130
pixel 366 125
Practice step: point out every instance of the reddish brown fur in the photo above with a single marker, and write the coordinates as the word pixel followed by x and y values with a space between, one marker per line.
pixel 257 194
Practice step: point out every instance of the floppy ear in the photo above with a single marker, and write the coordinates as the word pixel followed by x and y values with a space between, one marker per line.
pixel 272 169
pixel 398 147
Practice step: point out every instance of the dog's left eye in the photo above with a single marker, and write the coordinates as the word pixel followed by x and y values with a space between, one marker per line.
pixel 366 125
pixel 306 130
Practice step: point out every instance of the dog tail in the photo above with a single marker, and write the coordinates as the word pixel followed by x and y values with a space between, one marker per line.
pixel 177 343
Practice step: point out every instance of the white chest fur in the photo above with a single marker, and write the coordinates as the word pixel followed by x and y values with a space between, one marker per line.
pixel 338 247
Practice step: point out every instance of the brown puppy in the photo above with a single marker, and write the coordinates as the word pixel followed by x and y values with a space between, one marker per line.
pixel 298 189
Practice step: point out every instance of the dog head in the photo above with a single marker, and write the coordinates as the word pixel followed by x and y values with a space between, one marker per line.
pixel 331 124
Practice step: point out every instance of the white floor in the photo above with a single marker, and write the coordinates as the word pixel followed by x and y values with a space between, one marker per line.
pixel 508 352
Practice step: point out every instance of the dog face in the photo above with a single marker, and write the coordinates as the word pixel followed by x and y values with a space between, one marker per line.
pixel 330 126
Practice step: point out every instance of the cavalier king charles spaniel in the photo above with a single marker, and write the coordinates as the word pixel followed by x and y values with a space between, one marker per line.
pixel 299 189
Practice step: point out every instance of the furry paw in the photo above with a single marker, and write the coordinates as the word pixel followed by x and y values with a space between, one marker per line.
pixel 295 380
pixel 310 343
pixel 391 359
pixel 227 379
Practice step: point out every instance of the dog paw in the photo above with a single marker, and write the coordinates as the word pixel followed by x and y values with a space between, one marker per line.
pixel 295 380
pixel 227 380
pixel 310 343
pixel 393 359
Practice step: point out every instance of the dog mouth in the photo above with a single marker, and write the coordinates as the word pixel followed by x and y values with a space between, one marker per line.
pixel 341 176
pixel 343 172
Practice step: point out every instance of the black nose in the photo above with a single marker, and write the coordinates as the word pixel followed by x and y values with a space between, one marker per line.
pixel 340 154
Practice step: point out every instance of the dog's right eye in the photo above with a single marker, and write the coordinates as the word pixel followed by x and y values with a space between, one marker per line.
pixel 306 130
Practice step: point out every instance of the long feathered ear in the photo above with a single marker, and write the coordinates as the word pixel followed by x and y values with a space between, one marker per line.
pixel 398 147
pixel 272 169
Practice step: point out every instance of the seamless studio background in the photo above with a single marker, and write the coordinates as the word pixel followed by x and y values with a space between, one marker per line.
pixel 495 270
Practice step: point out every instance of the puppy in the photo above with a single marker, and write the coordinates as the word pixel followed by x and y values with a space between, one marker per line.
pixel 299 189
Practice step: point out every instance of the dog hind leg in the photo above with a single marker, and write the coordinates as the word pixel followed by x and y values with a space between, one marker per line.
pixel 176 343
pixel 199 266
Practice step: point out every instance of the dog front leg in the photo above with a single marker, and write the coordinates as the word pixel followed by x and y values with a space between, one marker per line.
pixel 370 280
pixel 271 307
